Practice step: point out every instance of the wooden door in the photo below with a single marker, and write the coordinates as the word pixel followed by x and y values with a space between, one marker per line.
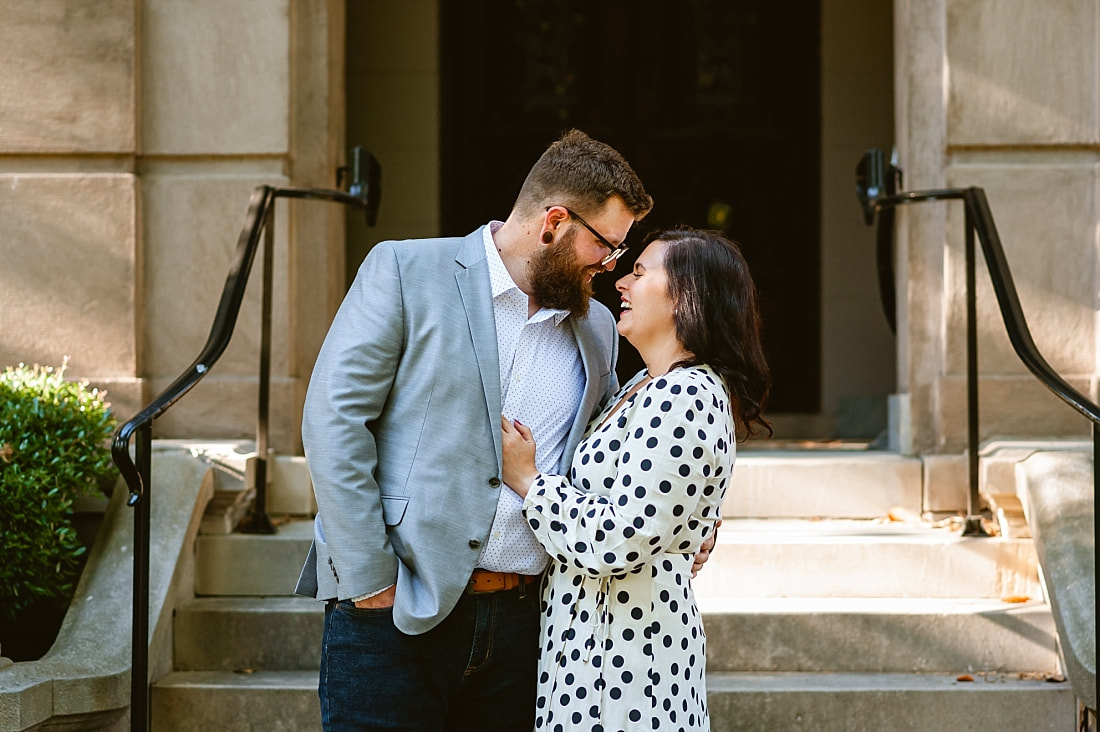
pixel 714 103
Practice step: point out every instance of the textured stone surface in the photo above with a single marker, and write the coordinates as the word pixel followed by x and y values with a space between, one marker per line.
pixel 779 558
pixel 946 483
pixel 1019 406
pixel 1045 211
pixel 840 484
pixel 291 490
pixel 242 565
pixel 395 58
pixel 857 92
pixel 196 221
pixel 87 670
pixel 278 701
pixel 1003 95
pixel 225 406
pixel 1022 72
pixel 844 702
pixel 215 77
pixel 79 230
pixel 68 83
pixel 999 458
pixel 1061 509
pixel 230 633
pixel 867 635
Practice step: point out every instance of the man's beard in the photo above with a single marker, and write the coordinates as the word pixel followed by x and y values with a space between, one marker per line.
pixel 557 281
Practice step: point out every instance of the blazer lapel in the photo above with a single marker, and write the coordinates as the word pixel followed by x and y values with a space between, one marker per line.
pixel 477 300
pixel 591 360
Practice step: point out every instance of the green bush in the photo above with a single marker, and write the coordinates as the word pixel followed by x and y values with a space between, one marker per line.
pixel 54 446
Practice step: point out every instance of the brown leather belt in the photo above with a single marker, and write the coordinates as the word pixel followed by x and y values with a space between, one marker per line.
pixel 483 581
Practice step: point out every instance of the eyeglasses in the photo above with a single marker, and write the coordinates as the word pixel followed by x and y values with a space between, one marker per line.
pixel 616 251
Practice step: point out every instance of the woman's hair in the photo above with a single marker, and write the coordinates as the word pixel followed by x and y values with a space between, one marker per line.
pixel 583 174
pixel 717 317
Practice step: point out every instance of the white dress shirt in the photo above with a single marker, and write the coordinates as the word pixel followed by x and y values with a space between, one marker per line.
pixel 541 384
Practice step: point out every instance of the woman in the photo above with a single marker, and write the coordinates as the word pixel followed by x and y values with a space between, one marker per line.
pixel 623 644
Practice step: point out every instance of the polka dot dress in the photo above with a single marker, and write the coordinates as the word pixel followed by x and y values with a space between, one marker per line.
pixel 622 642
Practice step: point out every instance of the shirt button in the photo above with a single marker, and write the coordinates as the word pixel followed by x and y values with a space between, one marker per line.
pixel 494 482
pixel 474 543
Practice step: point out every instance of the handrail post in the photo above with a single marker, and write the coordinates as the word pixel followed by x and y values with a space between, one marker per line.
pixel 136 469
pixel 139 670
pixel 258 522
pixel 973 525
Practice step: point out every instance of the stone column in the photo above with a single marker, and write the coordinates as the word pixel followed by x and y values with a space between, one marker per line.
pixel 70 282
pixel 1004 95
pixel 131 137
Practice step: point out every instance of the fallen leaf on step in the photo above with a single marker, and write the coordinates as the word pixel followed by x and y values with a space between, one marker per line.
pixel 1015 598
pixel 1052 678
pixel 246 670
pixel 964 677
pixel 899 513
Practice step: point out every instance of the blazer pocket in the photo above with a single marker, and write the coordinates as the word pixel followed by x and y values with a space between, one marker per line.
pixel 393 509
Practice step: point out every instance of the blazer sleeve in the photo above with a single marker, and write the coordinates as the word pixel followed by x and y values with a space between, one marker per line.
pixel 351 381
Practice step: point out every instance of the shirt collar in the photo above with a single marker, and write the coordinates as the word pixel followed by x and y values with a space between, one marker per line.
pixel 501 282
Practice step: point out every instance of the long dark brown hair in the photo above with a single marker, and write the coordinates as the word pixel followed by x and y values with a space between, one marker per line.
pixel 717 317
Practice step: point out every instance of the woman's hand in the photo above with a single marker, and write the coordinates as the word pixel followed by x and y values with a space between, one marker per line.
pixel 519 456
pixel 703 554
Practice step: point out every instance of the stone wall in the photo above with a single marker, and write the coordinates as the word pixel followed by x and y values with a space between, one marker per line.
pixel 132 134
pixel 1005 95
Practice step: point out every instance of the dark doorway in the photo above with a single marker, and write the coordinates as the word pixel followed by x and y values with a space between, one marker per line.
pixel 714 103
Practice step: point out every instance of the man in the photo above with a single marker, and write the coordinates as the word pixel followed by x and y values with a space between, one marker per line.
pixel 428 568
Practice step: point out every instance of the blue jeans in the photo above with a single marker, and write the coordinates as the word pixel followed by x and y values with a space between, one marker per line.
pixel 475 670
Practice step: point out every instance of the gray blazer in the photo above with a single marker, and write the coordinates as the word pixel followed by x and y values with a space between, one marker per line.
pixel 401 426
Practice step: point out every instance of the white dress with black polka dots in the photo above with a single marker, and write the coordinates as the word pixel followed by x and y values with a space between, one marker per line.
pixel 622 642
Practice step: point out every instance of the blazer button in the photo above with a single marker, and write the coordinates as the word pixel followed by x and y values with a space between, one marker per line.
pixel 474 543
pixel 494 482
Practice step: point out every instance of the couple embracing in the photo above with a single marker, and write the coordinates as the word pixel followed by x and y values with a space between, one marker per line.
pixel 505 536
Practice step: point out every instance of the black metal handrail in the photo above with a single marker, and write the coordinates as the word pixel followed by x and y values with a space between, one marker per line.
pixel 259 224
pixel 870 177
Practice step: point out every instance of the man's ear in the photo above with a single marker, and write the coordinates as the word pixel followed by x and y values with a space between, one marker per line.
pixel 554 216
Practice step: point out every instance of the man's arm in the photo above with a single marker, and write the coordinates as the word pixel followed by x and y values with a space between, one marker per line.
pixel 350 384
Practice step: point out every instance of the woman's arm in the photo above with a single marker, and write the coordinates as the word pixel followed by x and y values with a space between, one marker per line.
pixel 676 453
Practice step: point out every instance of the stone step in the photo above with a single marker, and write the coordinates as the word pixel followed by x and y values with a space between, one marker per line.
pixel 746 702
pixel 874 635
pixel 837 484
pixel 235 633
pixel 772 483
pixel 275 701
pixel 845 558
pixel 743 634
pixel 754 558
pixel 252 564
pixel 758 702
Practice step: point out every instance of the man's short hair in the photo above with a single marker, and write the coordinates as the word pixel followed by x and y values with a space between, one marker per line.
pixel 583 174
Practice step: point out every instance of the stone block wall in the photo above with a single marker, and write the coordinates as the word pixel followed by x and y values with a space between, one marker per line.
pixel 132 133
pixel 70 286
pixel 1004 95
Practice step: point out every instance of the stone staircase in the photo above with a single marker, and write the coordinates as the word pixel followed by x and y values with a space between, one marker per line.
pixel 822 616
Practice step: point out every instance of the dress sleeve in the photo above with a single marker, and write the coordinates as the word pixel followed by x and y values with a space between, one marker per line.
pixel 671 455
